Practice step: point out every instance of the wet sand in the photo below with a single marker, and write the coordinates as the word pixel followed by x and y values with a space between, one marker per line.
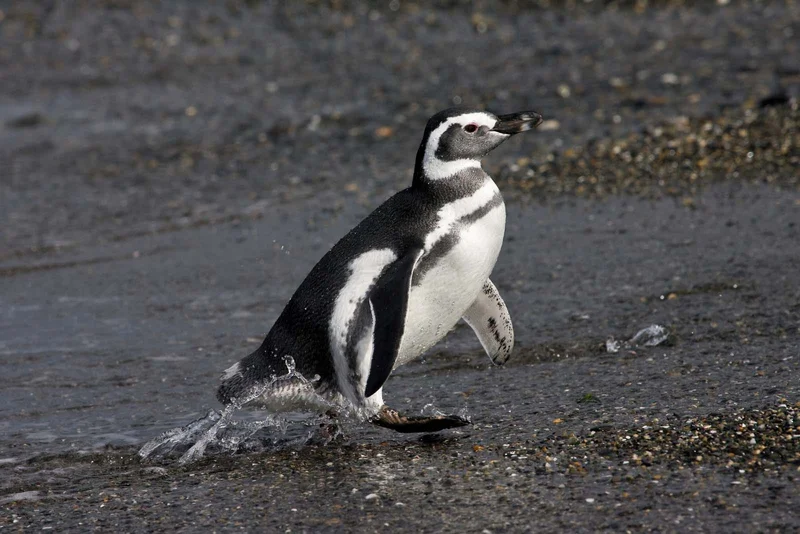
pixel 175 172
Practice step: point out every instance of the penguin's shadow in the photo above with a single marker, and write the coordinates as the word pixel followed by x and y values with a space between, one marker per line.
pixel 439 438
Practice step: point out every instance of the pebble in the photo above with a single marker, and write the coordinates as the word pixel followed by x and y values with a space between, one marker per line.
pixel 677 158
pixel 714 439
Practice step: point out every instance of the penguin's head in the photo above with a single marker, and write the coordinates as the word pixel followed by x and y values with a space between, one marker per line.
pixel 456 139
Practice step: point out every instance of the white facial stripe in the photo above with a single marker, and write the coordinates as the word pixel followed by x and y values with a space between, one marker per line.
pixel 453 211
pixel 364 270
pixel 436 169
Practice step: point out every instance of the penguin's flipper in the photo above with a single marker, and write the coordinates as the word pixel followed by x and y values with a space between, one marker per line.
pixel 389 418
pixel 389 300
pixel 489 318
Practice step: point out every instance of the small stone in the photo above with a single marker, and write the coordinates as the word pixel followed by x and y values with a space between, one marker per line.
pixel 384 132
pixel 155 471
pixel 670 78
pixel 481 22
pixel 549 125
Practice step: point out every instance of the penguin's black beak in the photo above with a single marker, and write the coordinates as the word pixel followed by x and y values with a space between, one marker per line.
pixel 515 123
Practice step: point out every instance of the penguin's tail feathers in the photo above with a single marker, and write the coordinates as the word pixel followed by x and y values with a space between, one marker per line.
pixel 239 379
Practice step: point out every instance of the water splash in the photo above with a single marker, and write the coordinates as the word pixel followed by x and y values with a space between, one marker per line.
pixel 464 413
pixel 217 431
pixel 613 345
pixel 651 336
pixel 430 410
pixel 173 438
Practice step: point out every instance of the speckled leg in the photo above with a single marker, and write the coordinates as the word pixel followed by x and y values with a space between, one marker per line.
pixel 389 418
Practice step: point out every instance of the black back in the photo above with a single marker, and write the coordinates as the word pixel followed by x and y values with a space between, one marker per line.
pixel 301 331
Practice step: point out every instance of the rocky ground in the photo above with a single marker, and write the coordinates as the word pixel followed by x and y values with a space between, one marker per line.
pixel 160 158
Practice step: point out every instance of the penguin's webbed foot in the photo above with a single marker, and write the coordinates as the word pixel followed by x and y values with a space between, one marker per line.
pixel 389 418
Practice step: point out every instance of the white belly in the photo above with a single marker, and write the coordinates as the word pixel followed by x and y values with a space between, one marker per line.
pixel 452 285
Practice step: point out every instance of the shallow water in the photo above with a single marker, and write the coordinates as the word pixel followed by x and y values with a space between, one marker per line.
pixel 116 353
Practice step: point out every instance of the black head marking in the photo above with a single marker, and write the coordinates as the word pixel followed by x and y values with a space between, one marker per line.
pixel 456 142
pixel 464 135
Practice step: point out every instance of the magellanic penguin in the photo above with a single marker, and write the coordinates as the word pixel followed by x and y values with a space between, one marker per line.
pixel 398 282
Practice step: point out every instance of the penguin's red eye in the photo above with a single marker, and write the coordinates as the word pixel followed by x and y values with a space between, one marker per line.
pixel 471 128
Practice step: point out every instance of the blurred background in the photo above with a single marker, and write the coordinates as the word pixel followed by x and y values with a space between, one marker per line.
pixel 170 171
pixel 124 117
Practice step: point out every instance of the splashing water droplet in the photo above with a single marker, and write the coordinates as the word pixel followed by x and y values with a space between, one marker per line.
pixel 612 345
pixel 431 411
pixel 174 437
pixel 290 365
pixel 651 336
pixel 218 430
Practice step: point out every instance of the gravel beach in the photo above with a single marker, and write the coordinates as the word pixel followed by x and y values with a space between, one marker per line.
pixel 172 170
